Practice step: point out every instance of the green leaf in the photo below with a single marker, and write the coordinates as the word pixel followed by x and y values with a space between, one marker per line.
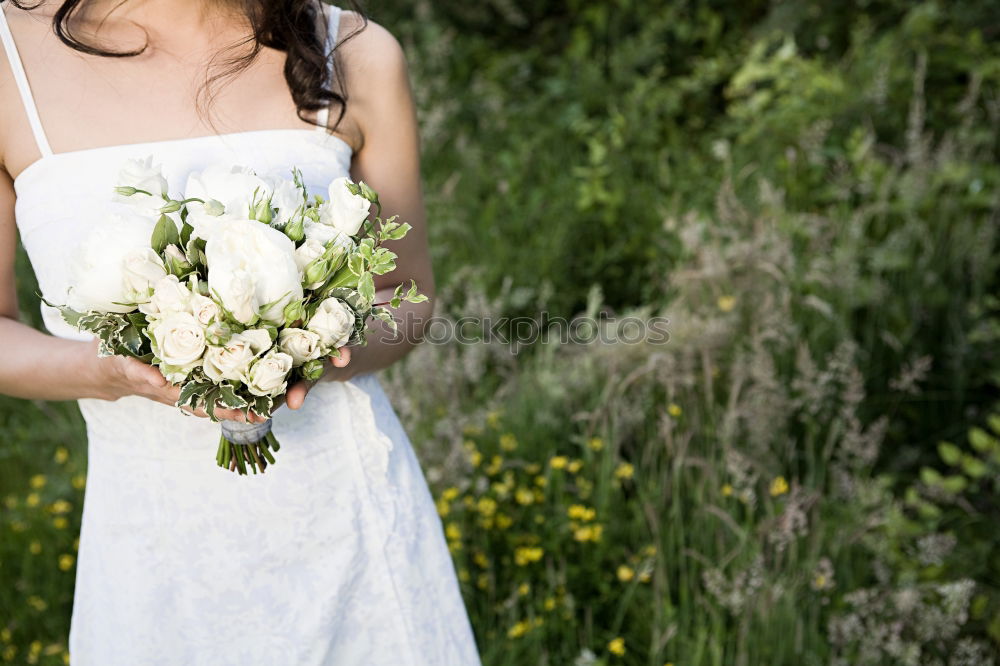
pixel 974 467
pixel 229 398
pixel 366 287
pixel 949 453
pixel 212 401
pixel 981 440
pixel 164 233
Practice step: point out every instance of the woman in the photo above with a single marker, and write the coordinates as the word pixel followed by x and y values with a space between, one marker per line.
pixel 336 554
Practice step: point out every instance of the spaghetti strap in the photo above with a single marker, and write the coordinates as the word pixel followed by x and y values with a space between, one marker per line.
pixel 333 16
pixel 22 86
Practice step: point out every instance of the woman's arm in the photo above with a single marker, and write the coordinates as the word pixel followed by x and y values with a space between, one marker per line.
pixel 381 122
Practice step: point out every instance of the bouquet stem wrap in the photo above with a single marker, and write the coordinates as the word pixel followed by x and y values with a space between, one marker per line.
pixel 243 445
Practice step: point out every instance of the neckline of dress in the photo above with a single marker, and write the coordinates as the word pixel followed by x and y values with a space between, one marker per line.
pixel 164 142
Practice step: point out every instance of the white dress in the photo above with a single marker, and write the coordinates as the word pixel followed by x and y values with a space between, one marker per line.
pixel 335 555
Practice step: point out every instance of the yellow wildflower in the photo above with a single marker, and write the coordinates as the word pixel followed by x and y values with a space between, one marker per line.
pixel 726 303
pixel 37 603
pixel 480 559
pixel 9 653
pixel 558 462
pixel 524 496
pixel 624 471
pixel 588 533
pixel 486 506
pixel 504 521
pixel 453 531
pixel 471 430
pixel 52 649
pixel 34 547
pixel 32 499
pixel 779 486
pixel 508 442
pixel 541 481
pixel 60 506
pixel 443 508
pixel 645 575
pixel 518 630
pixel 649 550
pixel 532 468
pixel 727 490
pixel 76 543
pixel 38 481
pixel 617 646
pixel 580 512
pixel 482 581
pixel 463 575
pixel 66 561
pixel 18 526
pixel 495 464
pixel 549 603
pixel 10 501
pixel 493 418
pixel 66 658
pixel 523 589
pixel 449 493
pixel 79 481
pixel 574 466
pixel 525 555
pixel 61 455
pixel 596 443
pixel 5 635
pixel 674 410
pixel 625 573
pixel 60 523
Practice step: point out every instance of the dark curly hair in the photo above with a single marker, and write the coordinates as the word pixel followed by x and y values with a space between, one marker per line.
pixel 297 27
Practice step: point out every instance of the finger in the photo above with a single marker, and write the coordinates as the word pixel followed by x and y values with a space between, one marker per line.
pixel 296 395
pixel 141 372
pixel 343 359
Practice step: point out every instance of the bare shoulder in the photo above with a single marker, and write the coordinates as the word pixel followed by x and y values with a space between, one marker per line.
pixel 372 56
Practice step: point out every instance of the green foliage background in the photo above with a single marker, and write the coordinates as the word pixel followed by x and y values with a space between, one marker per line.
pixel 807 473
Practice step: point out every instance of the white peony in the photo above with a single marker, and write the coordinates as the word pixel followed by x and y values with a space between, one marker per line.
pixel 268 374
pixel 142 269
pixel 232 360
pixel 300 344
pixel 233 187
pixel 142 174
pixel 333 322
pixel 169 295
pixel 98 264
pixel 344 211
pixel 178 339
pixel 251 265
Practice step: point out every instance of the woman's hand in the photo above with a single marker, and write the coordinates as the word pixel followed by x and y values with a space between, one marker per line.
pixel 121 376
pixel 295 396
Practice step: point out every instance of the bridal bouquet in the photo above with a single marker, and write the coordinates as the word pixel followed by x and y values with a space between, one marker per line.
pixel 236 289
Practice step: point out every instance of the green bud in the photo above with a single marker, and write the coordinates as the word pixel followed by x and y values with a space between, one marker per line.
pixel 262 213
pixel 312 370
pixel 215 208
pixel 295 229
pixel 294 311
pixel 367 192
pixel 126 190
pixel 176 262
pixel 170 207
pixel 318 270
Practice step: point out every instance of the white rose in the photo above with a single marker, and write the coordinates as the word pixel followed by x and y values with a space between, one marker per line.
pixel 205 310
pixel 344 211
pixel 268 374
pixel 232 360
pixel 179 339
pixel 305 253
pixel 300 344
pixel 142 175
pixel 251 265
pixel 142 268
pixel 287 197
pixel 333 322
pixel 169 295
pixel 233 187
pixel 98 265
